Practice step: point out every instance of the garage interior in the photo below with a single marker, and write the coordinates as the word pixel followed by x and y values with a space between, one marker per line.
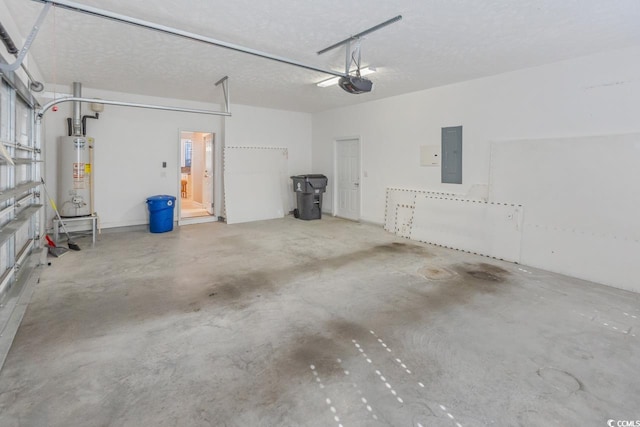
pixel 475 262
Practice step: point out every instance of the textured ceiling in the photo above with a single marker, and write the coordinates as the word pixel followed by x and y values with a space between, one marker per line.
pixel 437 42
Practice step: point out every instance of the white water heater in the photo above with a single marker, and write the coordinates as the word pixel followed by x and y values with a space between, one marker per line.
pixel 74 178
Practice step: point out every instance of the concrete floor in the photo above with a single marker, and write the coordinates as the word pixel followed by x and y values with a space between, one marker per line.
pixel 321 323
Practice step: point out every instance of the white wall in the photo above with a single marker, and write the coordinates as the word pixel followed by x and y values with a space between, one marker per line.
pixel 132 143
pixel 578 213
pixel 254 126
pixel 130 146
pixel 595 95
pixel 592 95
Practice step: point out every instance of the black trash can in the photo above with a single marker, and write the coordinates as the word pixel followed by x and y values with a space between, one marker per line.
pixel 309 189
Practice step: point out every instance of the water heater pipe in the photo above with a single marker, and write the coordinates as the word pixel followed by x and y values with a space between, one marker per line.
pixel 77 109
pixel 84 122
pixel 91 181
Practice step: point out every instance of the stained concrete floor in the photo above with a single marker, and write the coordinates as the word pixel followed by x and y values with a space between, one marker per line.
pixel 321 323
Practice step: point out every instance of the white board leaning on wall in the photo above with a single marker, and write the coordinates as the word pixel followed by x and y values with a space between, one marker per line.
pixel 256 183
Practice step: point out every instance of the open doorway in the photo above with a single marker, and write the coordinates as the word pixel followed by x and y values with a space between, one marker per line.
pixel 196 177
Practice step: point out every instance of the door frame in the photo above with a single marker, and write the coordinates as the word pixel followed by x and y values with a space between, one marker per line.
pixel 215 189
pixel 210 209
pixel 336 141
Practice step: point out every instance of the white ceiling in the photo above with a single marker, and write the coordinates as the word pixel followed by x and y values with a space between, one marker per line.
pixel 437 42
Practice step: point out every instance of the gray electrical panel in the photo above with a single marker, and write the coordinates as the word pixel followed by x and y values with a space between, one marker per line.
pixel 452 155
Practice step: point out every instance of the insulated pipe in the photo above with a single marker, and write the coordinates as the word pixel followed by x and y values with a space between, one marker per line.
pixel 50 104
pixel 77 7
pixel 84 122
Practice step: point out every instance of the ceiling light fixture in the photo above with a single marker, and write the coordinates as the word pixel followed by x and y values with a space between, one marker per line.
pixel 334 80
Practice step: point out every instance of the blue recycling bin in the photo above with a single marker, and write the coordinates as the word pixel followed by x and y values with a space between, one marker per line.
pixel 161 213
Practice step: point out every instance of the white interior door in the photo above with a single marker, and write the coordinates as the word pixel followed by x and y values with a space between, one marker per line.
pixel 348 179
pixel 207 184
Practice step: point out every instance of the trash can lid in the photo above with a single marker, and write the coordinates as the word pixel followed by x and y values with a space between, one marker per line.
pixel 160 197
pixel 309 176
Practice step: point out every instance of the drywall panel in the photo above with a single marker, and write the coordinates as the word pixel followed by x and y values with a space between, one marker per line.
pixel 580 194
pixel 396 197
pixel 255 126
pixel 491 229
pixel 399 206
pixel 256 183
pixel 404 220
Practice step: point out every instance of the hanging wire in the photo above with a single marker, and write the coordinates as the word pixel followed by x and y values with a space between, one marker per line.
pixel 354 59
